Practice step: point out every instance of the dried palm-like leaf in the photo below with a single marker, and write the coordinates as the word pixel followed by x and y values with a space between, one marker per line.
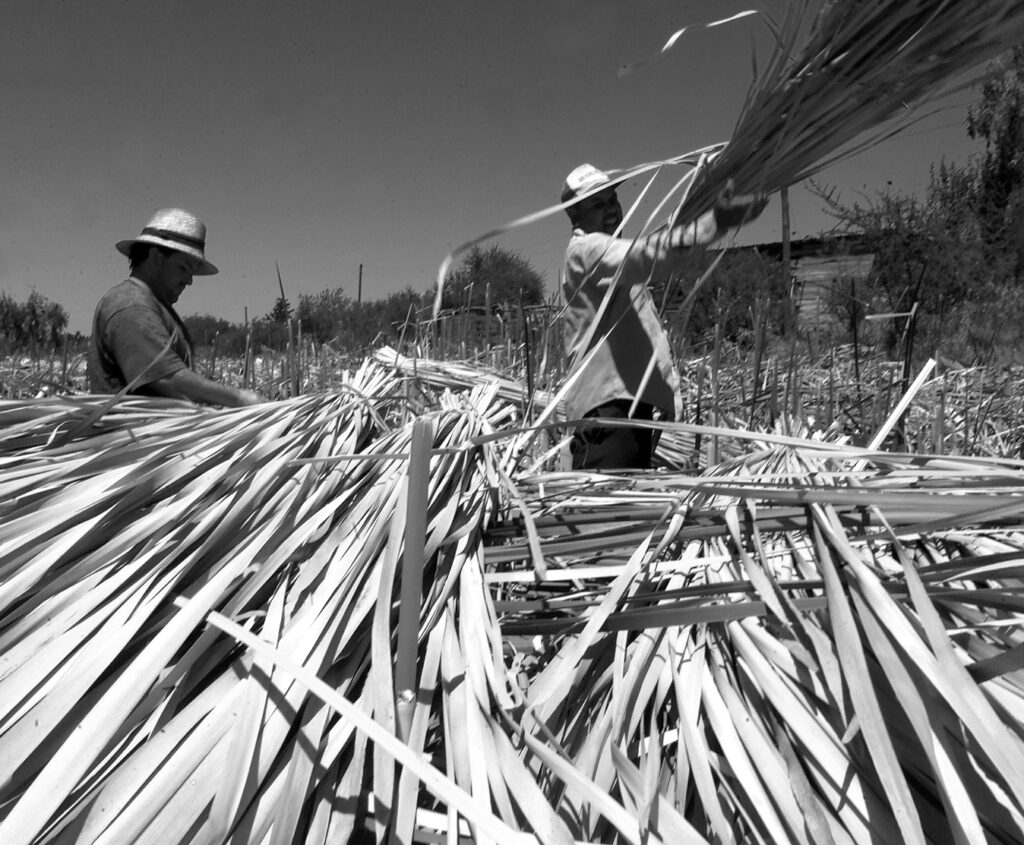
pixel 860 70
pixel 200 621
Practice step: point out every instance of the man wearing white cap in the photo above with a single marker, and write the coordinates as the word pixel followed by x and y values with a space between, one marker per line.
pixel 138 339
pixel 619 355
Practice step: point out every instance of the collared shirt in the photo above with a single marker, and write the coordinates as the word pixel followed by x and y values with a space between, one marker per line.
pixel 632 358
pixel 135 339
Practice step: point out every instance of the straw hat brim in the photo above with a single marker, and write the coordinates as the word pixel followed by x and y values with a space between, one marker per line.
pixel 205 267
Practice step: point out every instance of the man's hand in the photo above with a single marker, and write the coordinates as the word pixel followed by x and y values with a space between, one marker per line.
pixel 186 384
pixel 731 211
pixel 249 397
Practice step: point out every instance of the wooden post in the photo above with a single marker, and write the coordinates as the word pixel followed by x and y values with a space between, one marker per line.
pixel 288 362
pixel 789 315
pixel 297 374
pixel 528 362
pixel 247 356
pixel 487 322
pixel 716 361
pixel 213 356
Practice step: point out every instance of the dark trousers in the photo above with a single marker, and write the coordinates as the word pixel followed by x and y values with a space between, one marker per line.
pixel 595 446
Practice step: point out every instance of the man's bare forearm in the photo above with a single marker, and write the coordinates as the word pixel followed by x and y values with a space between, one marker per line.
pixel 186 384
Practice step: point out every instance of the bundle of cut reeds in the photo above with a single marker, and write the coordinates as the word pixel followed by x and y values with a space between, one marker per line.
pixel 860 69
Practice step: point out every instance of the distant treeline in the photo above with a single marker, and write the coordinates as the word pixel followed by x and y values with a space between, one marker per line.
pixel 492 278
pixel 37 324
pixel 326 317
pixel 486 279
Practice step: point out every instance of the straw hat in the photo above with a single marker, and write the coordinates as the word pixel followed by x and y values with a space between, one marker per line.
pixel 584 179
pixel 175 229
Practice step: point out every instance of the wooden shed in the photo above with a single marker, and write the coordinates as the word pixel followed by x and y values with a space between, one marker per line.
pixel 818 266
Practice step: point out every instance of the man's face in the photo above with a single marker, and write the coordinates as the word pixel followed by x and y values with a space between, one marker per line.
pixel 171 275
pixel 600 212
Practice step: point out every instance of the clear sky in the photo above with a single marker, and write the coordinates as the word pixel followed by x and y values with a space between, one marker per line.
pixel 324 135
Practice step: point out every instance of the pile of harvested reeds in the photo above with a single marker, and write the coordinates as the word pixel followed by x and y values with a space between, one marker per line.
pixel 207 632
pixel 125 716
pixel 373 613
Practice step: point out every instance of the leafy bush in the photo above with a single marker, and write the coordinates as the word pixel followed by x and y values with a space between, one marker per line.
pixel 37 324
pixel 495 275
pixel 742 295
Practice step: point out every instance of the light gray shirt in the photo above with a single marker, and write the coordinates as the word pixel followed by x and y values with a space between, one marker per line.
pixel 631 356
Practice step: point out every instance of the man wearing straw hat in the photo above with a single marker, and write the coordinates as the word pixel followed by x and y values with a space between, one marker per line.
pixel 139 342
pixel 621 365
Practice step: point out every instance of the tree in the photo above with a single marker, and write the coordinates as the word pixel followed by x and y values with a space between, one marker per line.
pixel 34 324
pixel 207 330
pixel 281 313
pixel 932 260
pixel 330 316
pixel 395 317
pixel 743 295
pixel 998 119
pixel 956 258
pixel 325 315
pixel 495 274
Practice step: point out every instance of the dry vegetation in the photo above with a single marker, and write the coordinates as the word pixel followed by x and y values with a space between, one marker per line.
pixel 379 608
pixel 203 639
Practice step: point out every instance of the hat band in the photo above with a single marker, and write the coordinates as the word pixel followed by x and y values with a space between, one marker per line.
pixel 195 243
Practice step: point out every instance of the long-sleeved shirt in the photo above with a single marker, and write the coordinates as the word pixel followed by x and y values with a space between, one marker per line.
pixel 634 361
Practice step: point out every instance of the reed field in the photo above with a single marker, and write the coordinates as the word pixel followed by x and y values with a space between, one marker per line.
pixel 380 607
